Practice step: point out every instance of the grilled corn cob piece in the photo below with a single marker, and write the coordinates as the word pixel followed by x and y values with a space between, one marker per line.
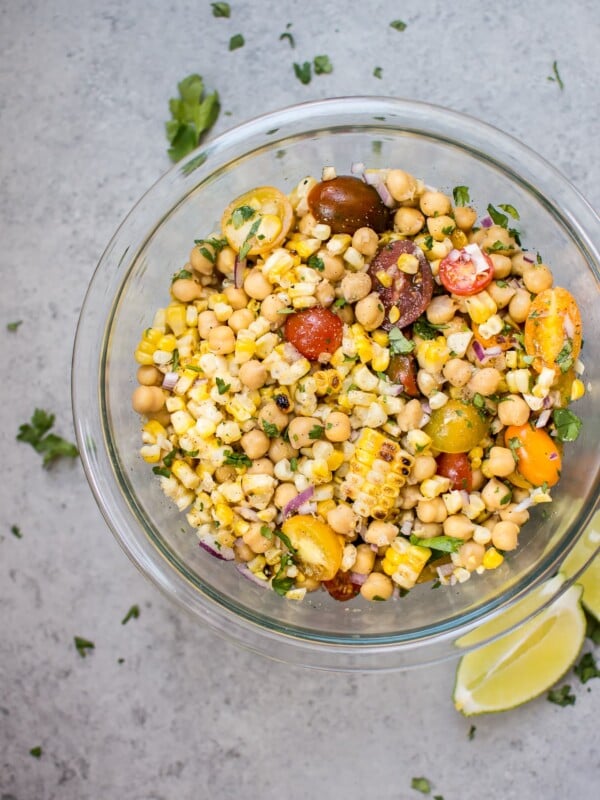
pixel 404 562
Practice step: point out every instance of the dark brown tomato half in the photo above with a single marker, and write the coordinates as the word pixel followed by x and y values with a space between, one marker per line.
pixel 341 588
pixel 411 294
pixel 347 204
pixel 402 370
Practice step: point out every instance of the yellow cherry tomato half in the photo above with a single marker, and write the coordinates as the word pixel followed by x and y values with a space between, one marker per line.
pixel 257 221
pixel 318 548
pixel 456 427
pixel 553 330
pixel 538 456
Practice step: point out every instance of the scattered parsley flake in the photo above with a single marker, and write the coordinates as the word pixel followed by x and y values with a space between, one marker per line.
pixel 294 464
pixel 377 72
pixel 564 359
pixel 16 531
pixel 221 10
pixel 316 432
pixel 478 400
pixel 471 734
pixel 497 247
pixel 497 216
pixel 287 35
pixel 461 195
pixel 281 583
pixel 303 72
pixel 83 645
pixel 183 274
pixel 236 459
pixel 175 361
pixel 587 668
pixel 562 696
pixel 245 248
pixel 538 258
pixel 270 429
pixel 222 387
pixel 266 532
pixel 509 210
pixel 314 262
pixel 421 785
pixel 515 444
pixel 425 329
pixel 133 613
pixel 398 25
pixel 556 77
pixel 13 326
pixel 399 344
pixel 242 214
pixel 170 457
pixel 164 472
pixel 36 752
pixel 322 65
pixel 236 42
pixel 192 114
pixel 36 434
pixel 568 424
pixel 340 303
pixel 428 242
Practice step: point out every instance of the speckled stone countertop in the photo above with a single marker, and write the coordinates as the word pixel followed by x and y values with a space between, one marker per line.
pixel 83 99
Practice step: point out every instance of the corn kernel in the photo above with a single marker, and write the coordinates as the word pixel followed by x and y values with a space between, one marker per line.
pixel 175 318
pixel 511 359
pixel 384 278
pixel 577 389
pixel 182 421
pixel 432 354
pixel 150 453
pixel 480 307
pixel 433 487
pixel 168 342
pixel 408 263
pixel 354 259
pixel 394 314
pixel 418 441
pixel 458 238
pixel 380 360
pixel 381 338
pixel 492 558
pixel 145 359
pixel 224 514
pixel 154 428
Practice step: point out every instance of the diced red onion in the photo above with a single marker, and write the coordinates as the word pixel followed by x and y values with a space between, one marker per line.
pixel 548 402
pixel 426 407
pixel 385 195
pixel 406 527
pixel 523 505
pixel 445 570
pixel 528 259
pixel 248 514
pixel 372 177
pixel 170 380
pixel 308 508
pixel 357 578
pixel 477 257
pixel 358 169
pixel 542 420
pixel 493 351
pixel 247 573
pixel 296 502
pixel 290 352
pixel 486 222
pixel 465 497
pixel 238 272
pixel 395 390
pixel 568 326
pixel 478 350
pixel 453 255
pixel 209 543
pixel 375 548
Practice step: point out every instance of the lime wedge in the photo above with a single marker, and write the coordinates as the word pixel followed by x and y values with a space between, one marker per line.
pixel 524 663
pixel 590 580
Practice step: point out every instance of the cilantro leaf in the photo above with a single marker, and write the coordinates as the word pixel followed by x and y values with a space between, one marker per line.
pixel 303 72
pixel 236 42
pixel 425 329
pixel 133 613
pixel 322 65
pixel 399 344
pixel 398 25
pixel 236 459
pixel 221 9
pixel 496 247
pixel 567 424
pixel 497 216
pixel 36 752
pixel 316 432
pixel 564 359
pixel 294 464
pixel 421 785
pixel 242 214
pixel 287 35
pixel 445 544
pixel 162 471
pixel 83 645
pixel 183 274
pixel 16 531
pixel 36 434
pixel 245 248
pixel 515 444
pixel 314 262
pixel 286 540
pixel 562 696
pixel 377 72
pixel 192 114
pixel 222 387
pixel 587 668
pixel 556 78
pixel 509 210
pixel 13 326
pixel 281 583
pixel 461 195
pixel 270 429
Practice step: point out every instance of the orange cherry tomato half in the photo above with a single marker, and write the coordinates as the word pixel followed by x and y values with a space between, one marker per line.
pixel 460 274
pixel 538 456
pixel 553 330
pixel 258 220
pixel 314 331
pixel 457 467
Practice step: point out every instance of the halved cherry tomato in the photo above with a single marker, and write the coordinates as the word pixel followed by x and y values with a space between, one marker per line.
pixel 553 330
pixel 402 370
pixel 538 456
pixel 457 467
pixel 341 588
pixel 346 204
pixel 259 220
pixel 456 427
pixel 314 331
pixel 318 551
pixel 409 293
pixel 459 273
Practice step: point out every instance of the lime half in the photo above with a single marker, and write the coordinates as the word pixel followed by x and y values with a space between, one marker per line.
pixel 524 663
pixel 590 580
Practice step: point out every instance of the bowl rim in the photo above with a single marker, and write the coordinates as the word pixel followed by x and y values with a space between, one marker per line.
pixel 320 652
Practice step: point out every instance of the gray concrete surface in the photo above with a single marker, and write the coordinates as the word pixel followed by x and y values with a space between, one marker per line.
pixel 83 98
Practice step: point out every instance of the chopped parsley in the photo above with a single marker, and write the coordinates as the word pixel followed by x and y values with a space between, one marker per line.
pixel 13 326
pixel 245 248
pixel 399 344
pixel 428 242
pixel 425 329
pixel 236 459
pixel 266 532
pixel 556 77
pixel 287 35
pixel 36 434
pixel 36 752
pixel 16 531
pixel 190 453
pixel 133 613
pixel 421 785
pixel 497 247
pixel 377 72
pixel 461 195
pixel 175 361
pixel 497 216
pixel 340 303
pixel 281 583
pixel 448 230
pixel 316 432
pixel 509 210
pixel 216 244
pixel 564 359
pixel 567 424
pixel 314 262
pixel 303 72
pixel 515 445
pixel 221 9
pixel 398 25
pixel 562 696
pixel 242 214
pixel 183 274
pixel 222 387
pixel 236 42
pixel 83 645
pixel 192 114
pixel 164 472
pixel 270 429
pixel 322 65
pixel 294 464
pixel 592 628
pixel 587 668
pixel 501 284
pixel 445 544
pixel 478 400
pixel 471 733
pixel 170 457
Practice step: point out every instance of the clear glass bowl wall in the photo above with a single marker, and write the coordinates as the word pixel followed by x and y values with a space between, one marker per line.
pixel 132 281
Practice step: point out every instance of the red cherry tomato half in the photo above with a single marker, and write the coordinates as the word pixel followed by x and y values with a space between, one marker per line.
pixel 409 293
pixel 461 275
pixel 314 331
pixel 456 466
pixel 402 369
pixel 341 588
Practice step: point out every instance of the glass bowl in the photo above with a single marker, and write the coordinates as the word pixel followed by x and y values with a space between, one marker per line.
pixel 443 148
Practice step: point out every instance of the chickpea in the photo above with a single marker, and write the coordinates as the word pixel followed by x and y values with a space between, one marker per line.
pixel 370 312
pixel 377 586
pixel 501 462
pixel 508 514
pixel 186 290
pixel 280 449
pixel 381 533
pixel 237 298
pixel 495 234
pixel 256 285
pixel 284 493
pixel 243 552
pixel 307 224
pixel 199 262
pixel 470 555
pixel 325 293
pixel 270 308
pixel 513 410
pixel 149 375
pixel 240 319
pixel 459 526
pixel 411 415
pixel 355 286
pixel 271 414
pixel 427 530
pixel 485 381
pixel 432 510
pixel 255 539
pixel 477 479
pixel 225 473
pixel 365 559
pixel 346 314
pixel 501 295
pixel 441 309
pixel 255 443
pixel 408 221
pixel 435 204
pixel 226 261
pixel 401 185
pixel 502 265
pixel 161 416
pixel 537 278
pixel 147 399
pixel 477 237
pixel 337 427
pixel 409 497
pixel 366 241
pixel 206 322
pixel 299 430
pixel 262 466
pixel 457 372
pixel 440 227
pixel 423 468
pixel 253 374
pixel 333 266
pixel 495 495
pixel 521 262
pixel 343 520
pixel 221 340
pixel 465 217
pixel 505 535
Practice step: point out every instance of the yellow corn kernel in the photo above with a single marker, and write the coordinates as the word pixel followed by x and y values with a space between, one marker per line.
pixel 327 382
pixel 339 243
pixel 245 347
pixel 185 474
pixel 324 507
pixel 433 487
pixel 150 453
pixel 182 421
pixel 480 307
pixel 152 335
pixel 577 389
pixel 394 314
pixel 143 358
pixel 418 441
pixel 335 460
pixel 475 456
pixel 381 358
pixel 408 263
pixel 240 526
pixel 393 557
pixel 384 278
pixel 458 238
pixel 154 429
pixel 175 318
pixel 215 300
pixel 224 514
pixel 511 358
pixel 412 560
pixel 432 354
pixel 307 248
pixel 492 558
pixel 146 346
pixel 168 342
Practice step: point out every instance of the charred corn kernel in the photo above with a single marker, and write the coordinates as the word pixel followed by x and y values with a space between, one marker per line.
pixel 511 359
pixel 168 342
pixel 154 429
pixel 380 337
pixel 410 566
pixel 241 408
pixel 433 487
pixel 338 244
pixel 492 327
pixel 184 473
pixel 432 354
pixel 475 456
pixel 327 382
pixel 394 314
pixel 480 307
pixel 458 238
pixel 380 360
pixel 384 278
pixel 175 318
pixel 492 558
pixel 150 453
pixel 577 389
pixel 224 514
pixel 182 421
pixel 408 263
pixel 418 441
pixel 518 380
pixel 378 470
